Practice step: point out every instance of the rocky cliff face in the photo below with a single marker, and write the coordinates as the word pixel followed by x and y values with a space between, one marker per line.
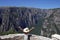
pixel 45 21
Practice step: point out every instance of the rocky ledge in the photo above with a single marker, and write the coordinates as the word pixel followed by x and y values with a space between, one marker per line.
pixel 21 37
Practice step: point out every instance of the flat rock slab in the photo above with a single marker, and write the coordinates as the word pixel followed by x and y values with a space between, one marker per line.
pixel 21 37
pixel 12 37
pixel 39 38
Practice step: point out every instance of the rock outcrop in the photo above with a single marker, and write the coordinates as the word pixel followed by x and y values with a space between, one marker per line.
pixel 21 37
pixel 55 37
pixel 33 37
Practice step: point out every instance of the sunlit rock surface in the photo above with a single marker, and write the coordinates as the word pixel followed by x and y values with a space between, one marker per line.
pixel 12 37
pixel 21 37
pixel 33 37
pixel 56 37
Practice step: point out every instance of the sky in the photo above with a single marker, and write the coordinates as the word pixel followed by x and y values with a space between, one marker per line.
pixel 31 3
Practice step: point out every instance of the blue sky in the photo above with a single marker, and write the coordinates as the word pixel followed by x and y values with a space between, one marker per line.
pixel 31 3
